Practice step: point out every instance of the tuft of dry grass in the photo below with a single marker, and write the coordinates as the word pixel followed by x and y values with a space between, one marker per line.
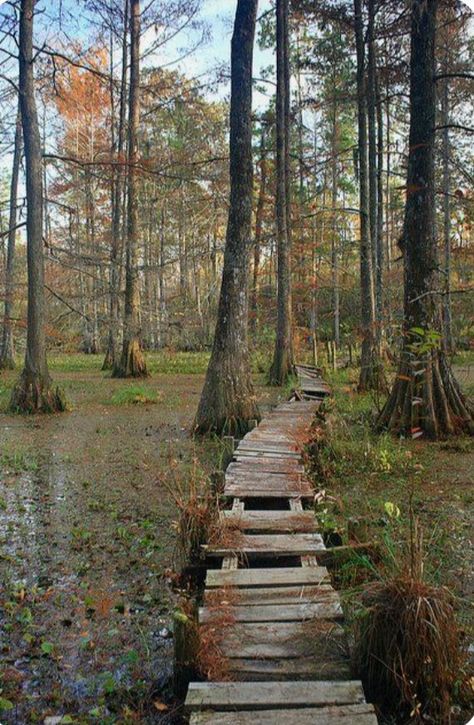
pixel 408 647
pixel 224 534
pixel 212 663
pixel 197 507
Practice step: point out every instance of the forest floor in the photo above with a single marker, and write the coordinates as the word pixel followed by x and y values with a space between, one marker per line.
pixel 87 541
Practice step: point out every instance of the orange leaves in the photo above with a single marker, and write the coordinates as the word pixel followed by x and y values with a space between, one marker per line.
pixel 83 101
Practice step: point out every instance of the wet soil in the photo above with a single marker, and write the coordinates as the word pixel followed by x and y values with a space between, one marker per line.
pixel 87 549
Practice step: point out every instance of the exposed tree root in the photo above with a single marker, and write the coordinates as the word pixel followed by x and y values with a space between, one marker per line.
pixel 426 400
pixel 228 404
pixel 132 362
pixel 372 376
pixel 36 394
pixel 109 359
pixel 281 369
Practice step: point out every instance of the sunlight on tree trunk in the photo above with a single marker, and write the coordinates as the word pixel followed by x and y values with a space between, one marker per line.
pixel 132 363
pixel 34 392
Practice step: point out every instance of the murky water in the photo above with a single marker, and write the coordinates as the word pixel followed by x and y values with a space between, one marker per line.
pixel 86 540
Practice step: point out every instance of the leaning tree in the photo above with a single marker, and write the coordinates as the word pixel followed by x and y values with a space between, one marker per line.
pixel 34 391
pixel 228 401
pixel 425 398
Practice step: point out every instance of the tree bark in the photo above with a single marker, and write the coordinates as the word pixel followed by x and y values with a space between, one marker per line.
pixel 117 192
pixel 282 365
pixel 7 357
pixel 258 230
pixel 445 145
pixel 228 402
pixel 425 398
pixel 132 363
pixel 380 256
pixel 369 365
pixel 372 138
pixel 334 230
pixel 34 392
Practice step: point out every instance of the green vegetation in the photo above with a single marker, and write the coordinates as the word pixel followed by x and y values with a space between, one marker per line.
pixel 408 502
pixel 17 458
pixel 134 395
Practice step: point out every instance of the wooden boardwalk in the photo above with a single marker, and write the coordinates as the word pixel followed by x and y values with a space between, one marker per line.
pixel 270 606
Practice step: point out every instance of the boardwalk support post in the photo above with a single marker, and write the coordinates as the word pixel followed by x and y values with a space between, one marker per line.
pixel 186 646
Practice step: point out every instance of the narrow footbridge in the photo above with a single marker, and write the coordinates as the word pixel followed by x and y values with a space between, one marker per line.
pixel 269 602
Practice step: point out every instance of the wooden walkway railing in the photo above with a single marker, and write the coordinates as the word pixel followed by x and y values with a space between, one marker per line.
pixel 281 637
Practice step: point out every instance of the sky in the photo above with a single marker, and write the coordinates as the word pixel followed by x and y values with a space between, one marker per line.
pixel 219 15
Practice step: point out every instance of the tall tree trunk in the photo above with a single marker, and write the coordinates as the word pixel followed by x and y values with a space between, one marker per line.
pixel 132 363
pixel 161 283
pixel 334 230
pixel 282 365
pixel 425 398
pixel 380 256
pixel 369 365
pixel 447 317
pixel 7 358
pixel 372 135
pixel 34 392
pixel 227 401
pixel 117 189
pixel 262 190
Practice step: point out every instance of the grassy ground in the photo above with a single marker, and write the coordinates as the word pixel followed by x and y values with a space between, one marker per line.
pixel 371 482
pixel 87 540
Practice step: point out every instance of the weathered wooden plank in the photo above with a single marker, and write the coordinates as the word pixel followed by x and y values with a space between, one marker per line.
pixel 266 465
pixel 281 576
pixel 244 492
pixel 255 492
pixel 301 668
pixel 244 695
pixel 273 595
pixel 282 479
pixel 259 449
pixel 283 448
pixel 267 487
pixel 245 455
pixel 270 545
pixel 271 432
pixel 297 406
pixel 344 714
pixel 270 521
pixel 284 639
pixel 276 613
